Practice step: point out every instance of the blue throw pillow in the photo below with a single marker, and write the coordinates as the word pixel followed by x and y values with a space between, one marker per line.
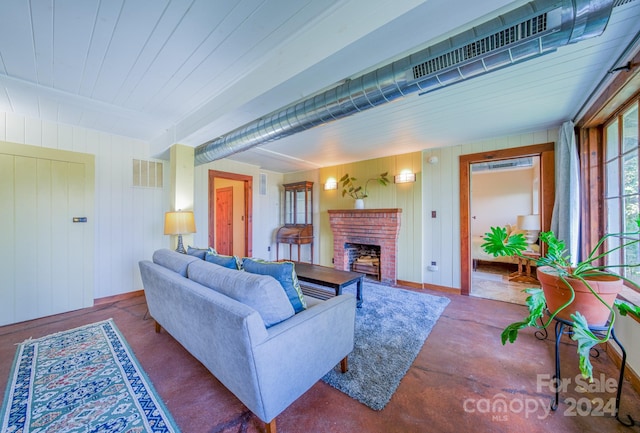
pixel 197 252
pixel 285 273
pixel 231 262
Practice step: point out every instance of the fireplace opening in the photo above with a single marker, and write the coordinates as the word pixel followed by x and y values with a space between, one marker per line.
pixel 364 259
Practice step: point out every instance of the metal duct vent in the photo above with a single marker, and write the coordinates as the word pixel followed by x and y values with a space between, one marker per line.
pixel 494 42
pixel 503 164
pixel 534 29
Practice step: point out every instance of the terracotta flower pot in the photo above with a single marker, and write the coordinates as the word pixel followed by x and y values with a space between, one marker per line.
pixel 557 294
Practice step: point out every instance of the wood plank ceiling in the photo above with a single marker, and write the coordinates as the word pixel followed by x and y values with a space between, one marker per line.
pixel 187 71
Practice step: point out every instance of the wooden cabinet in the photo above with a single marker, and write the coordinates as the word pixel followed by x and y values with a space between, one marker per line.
pixel 298 216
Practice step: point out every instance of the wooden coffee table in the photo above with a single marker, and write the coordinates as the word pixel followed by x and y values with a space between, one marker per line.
pixel 329 277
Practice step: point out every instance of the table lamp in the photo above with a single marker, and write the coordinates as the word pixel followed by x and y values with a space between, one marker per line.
pixel 179 223
pixel 531 225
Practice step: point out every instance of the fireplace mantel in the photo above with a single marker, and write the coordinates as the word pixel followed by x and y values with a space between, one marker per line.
pixel 361 212
pixel 370 227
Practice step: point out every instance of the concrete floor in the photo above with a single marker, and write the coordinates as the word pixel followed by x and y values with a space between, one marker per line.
pixel 454 385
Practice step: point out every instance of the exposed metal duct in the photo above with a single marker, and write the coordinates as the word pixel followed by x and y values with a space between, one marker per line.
pixel 537 28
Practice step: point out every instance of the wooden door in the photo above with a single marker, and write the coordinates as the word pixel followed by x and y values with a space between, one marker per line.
pixel 46 262
pixel 247 224
pixel 224 221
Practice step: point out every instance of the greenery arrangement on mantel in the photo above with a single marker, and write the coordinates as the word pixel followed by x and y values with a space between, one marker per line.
pixel 558 263
pixel 358 192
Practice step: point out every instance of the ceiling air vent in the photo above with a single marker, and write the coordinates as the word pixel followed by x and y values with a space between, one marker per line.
pixel 491 43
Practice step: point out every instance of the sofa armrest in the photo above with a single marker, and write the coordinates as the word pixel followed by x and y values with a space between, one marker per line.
pixel 302 349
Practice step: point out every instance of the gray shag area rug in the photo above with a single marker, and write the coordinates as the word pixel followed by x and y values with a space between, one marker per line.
pixel 391 328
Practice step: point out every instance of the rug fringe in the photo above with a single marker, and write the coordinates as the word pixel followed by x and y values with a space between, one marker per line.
pixel 31 339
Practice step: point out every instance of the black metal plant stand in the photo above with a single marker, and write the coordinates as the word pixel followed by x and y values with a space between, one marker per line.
pixel 563 326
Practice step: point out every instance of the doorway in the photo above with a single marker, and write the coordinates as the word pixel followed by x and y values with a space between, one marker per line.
pixel 504 193
pixel 231 213
pixel 545 206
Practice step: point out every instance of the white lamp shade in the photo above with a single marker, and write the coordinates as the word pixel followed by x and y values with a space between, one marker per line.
pixel 529 222
pixel 179 223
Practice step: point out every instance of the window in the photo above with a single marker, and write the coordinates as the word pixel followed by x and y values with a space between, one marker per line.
pixel 622 191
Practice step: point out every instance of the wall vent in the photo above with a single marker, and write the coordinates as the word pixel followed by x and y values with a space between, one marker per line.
pixel 147 174
pixel 502 164
pixel 494 42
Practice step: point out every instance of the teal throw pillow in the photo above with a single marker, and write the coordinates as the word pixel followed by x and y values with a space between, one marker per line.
pixel 231 262
pixel 285 273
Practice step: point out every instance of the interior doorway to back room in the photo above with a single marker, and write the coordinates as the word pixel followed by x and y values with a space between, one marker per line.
pixel 230 213
pixel 504 193
pixel 545 193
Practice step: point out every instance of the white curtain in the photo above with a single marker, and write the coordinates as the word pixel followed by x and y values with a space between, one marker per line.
pixel 565 220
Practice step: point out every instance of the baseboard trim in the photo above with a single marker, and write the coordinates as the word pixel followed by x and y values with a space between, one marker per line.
pixel 116 298
pixel 629 373
pixel 445 289
pixel 422 286
pixel 409 284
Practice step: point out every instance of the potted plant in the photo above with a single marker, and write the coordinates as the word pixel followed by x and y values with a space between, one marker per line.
pixel 358 193
pixel 584 281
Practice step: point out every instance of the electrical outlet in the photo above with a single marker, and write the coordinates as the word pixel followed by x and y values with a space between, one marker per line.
pixel 269 248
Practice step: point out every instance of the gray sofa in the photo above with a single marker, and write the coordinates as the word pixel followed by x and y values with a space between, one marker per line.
pixel 219 316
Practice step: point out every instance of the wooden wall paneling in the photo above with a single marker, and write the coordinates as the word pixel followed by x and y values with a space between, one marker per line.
pixel 60 241
pixel 7 234
pixel 25 208
pixel 548 188
pixel 593 208
pixel 80 251
pixel 51 267
pixel 33 132
pixel 44 228
pixel 465 224
pixel 3 126
pixel 15 128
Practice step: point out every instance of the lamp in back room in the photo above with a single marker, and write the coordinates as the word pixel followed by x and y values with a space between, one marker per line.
pixel 179 223
pixel 531 225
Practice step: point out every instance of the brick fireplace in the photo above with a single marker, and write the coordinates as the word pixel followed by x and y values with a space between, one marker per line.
pixel 369 227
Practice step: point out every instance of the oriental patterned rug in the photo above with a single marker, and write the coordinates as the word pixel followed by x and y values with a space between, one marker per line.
pixel 391 328
pixel 81 380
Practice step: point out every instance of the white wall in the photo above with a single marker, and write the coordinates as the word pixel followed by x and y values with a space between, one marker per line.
pixel 498 197
pixel 441 193
pixel 128 220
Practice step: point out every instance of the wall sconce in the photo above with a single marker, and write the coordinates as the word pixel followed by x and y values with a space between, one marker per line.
pixel 405 176
pixel 330 184
pixel 179 223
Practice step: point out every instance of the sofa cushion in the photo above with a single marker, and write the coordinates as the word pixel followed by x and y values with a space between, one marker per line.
pixel 231 262
pixel 260 292
pixel 285 273
pixel 173 260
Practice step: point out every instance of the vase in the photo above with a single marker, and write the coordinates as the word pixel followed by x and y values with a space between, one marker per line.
pixel 359 203
pixel 556 293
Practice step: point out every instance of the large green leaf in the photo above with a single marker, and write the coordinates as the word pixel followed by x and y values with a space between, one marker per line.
pixel 625 308
pixel 536 304
pixel 498 243
pixel 586 340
